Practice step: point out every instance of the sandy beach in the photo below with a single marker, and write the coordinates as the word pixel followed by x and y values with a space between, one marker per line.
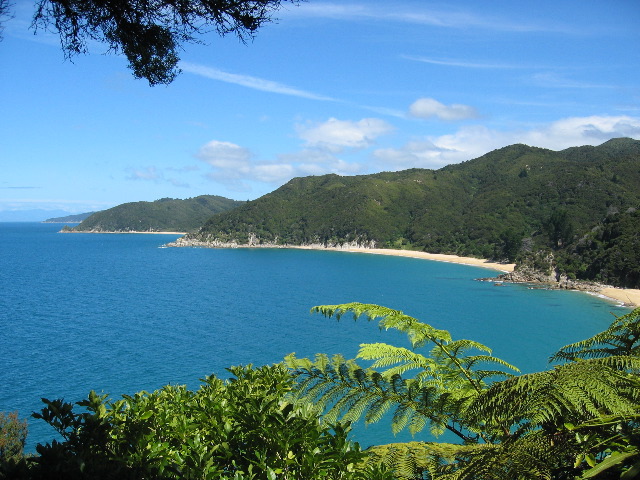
pixel 476 262
pixel 627 296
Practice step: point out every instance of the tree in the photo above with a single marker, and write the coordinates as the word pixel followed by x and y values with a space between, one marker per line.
pixel 577 420
pixel 4 14
pixel 13 434
pixel 150 33
pixel 240 429
pixel 559 228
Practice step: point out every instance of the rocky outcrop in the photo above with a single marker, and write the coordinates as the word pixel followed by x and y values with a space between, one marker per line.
pixel 255 242
pixel 547 280
pixel 541 269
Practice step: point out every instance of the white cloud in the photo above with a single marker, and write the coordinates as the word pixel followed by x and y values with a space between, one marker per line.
pixel 332 147
pixel 336 135
pixel 236 167
pixel 474 141
pixel 429 107
pixel 224 155
pixel 575 131
pixel 414 154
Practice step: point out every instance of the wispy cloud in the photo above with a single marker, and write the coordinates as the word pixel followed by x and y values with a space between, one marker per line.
pixel 409 14
pixel 553 80
pixel 248 81
pixel 157 175
pixel 465 63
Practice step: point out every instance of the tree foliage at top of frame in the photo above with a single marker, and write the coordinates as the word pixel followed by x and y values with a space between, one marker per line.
pixel 150 33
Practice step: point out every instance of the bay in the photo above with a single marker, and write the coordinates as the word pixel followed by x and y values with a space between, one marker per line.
pixel 120 313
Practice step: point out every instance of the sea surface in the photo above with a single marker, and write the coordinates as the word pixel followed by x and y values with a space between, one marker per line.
pixel 120 313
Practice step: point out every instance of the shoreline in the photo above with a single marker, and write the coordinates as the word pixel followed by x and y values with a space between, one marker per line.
pixel 628 297
pixel 624 296
pixel 438 257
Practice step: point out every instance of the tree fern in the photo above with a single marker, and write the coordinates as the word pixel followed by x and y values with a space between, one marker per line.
pixel 444 382
pixel 577 420
pixel 621 338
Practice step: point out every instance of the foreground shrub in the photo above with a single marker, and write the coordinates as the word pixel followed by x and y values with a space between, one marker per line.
pixel 242 428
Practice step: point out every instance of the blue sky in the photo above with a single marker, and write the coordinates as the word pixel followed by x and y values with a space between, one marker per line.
pixel 330 87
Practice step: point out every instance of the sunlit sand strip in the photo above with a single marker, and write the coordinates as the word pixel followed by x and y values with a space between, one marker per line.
pixel 628 296
pixel 476 262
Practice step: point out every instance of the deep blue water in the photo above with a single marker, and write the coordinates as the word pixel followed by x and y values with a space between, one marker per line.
pixel 120 314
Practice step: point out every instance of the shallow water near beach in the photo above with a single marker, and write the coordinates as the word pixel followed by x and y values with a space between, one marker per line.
pixel 120 313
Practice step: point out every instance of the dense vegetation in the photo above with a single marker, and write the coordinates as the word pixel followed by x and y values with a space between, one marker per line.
pixel 578 420
pixel 240 429
pixel 164 215
pixel 577 204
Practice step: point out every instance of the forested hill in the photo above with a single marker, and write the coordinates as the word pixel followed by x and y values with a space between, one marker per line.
pixel 164 215
pixel 578 204
pixel 77 218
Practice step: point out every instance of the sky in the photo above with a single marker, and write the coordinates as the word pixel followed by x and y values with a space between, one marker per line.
pixel 347 87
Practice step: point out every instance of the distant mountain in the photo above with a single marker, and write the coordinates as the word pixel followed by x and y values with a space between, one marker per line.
pixel 77 218
pixel 504 205
pixel 164 215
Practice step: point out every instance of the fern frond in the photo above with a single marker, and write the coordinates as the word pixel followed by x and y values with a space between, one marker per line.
pixel 386 355
pixel 470 362
pixel 459 347
pixel 417 331
pixel 622 338
pixel 576 391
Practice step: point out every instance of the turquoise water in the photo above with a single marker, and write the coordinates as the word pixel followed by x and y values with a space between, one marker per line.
pixel 120 314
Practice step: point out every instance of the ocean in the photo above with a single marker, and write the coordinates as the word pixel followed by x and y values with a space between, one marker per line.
pixel 121 313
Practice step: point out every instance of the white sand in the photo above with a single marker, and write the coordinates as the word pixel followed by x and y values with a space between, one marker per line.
pixel 628 296
pixel 477 262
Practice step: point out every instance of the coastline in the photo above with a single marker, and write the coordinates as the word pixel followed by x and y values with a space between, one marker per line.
pixel 626 296
pixel 438 257
pixel 629 297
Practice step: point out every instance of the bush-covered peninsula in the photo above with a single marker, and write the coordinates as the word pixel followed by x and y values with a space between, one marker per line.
pixel 77 218
pixel 164 215
pixel 570 213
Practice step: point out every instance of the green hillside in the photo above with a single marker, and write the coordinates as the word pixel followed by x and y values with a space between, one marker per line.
pixel 503 206
pixel 164 215
pixel 77 218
